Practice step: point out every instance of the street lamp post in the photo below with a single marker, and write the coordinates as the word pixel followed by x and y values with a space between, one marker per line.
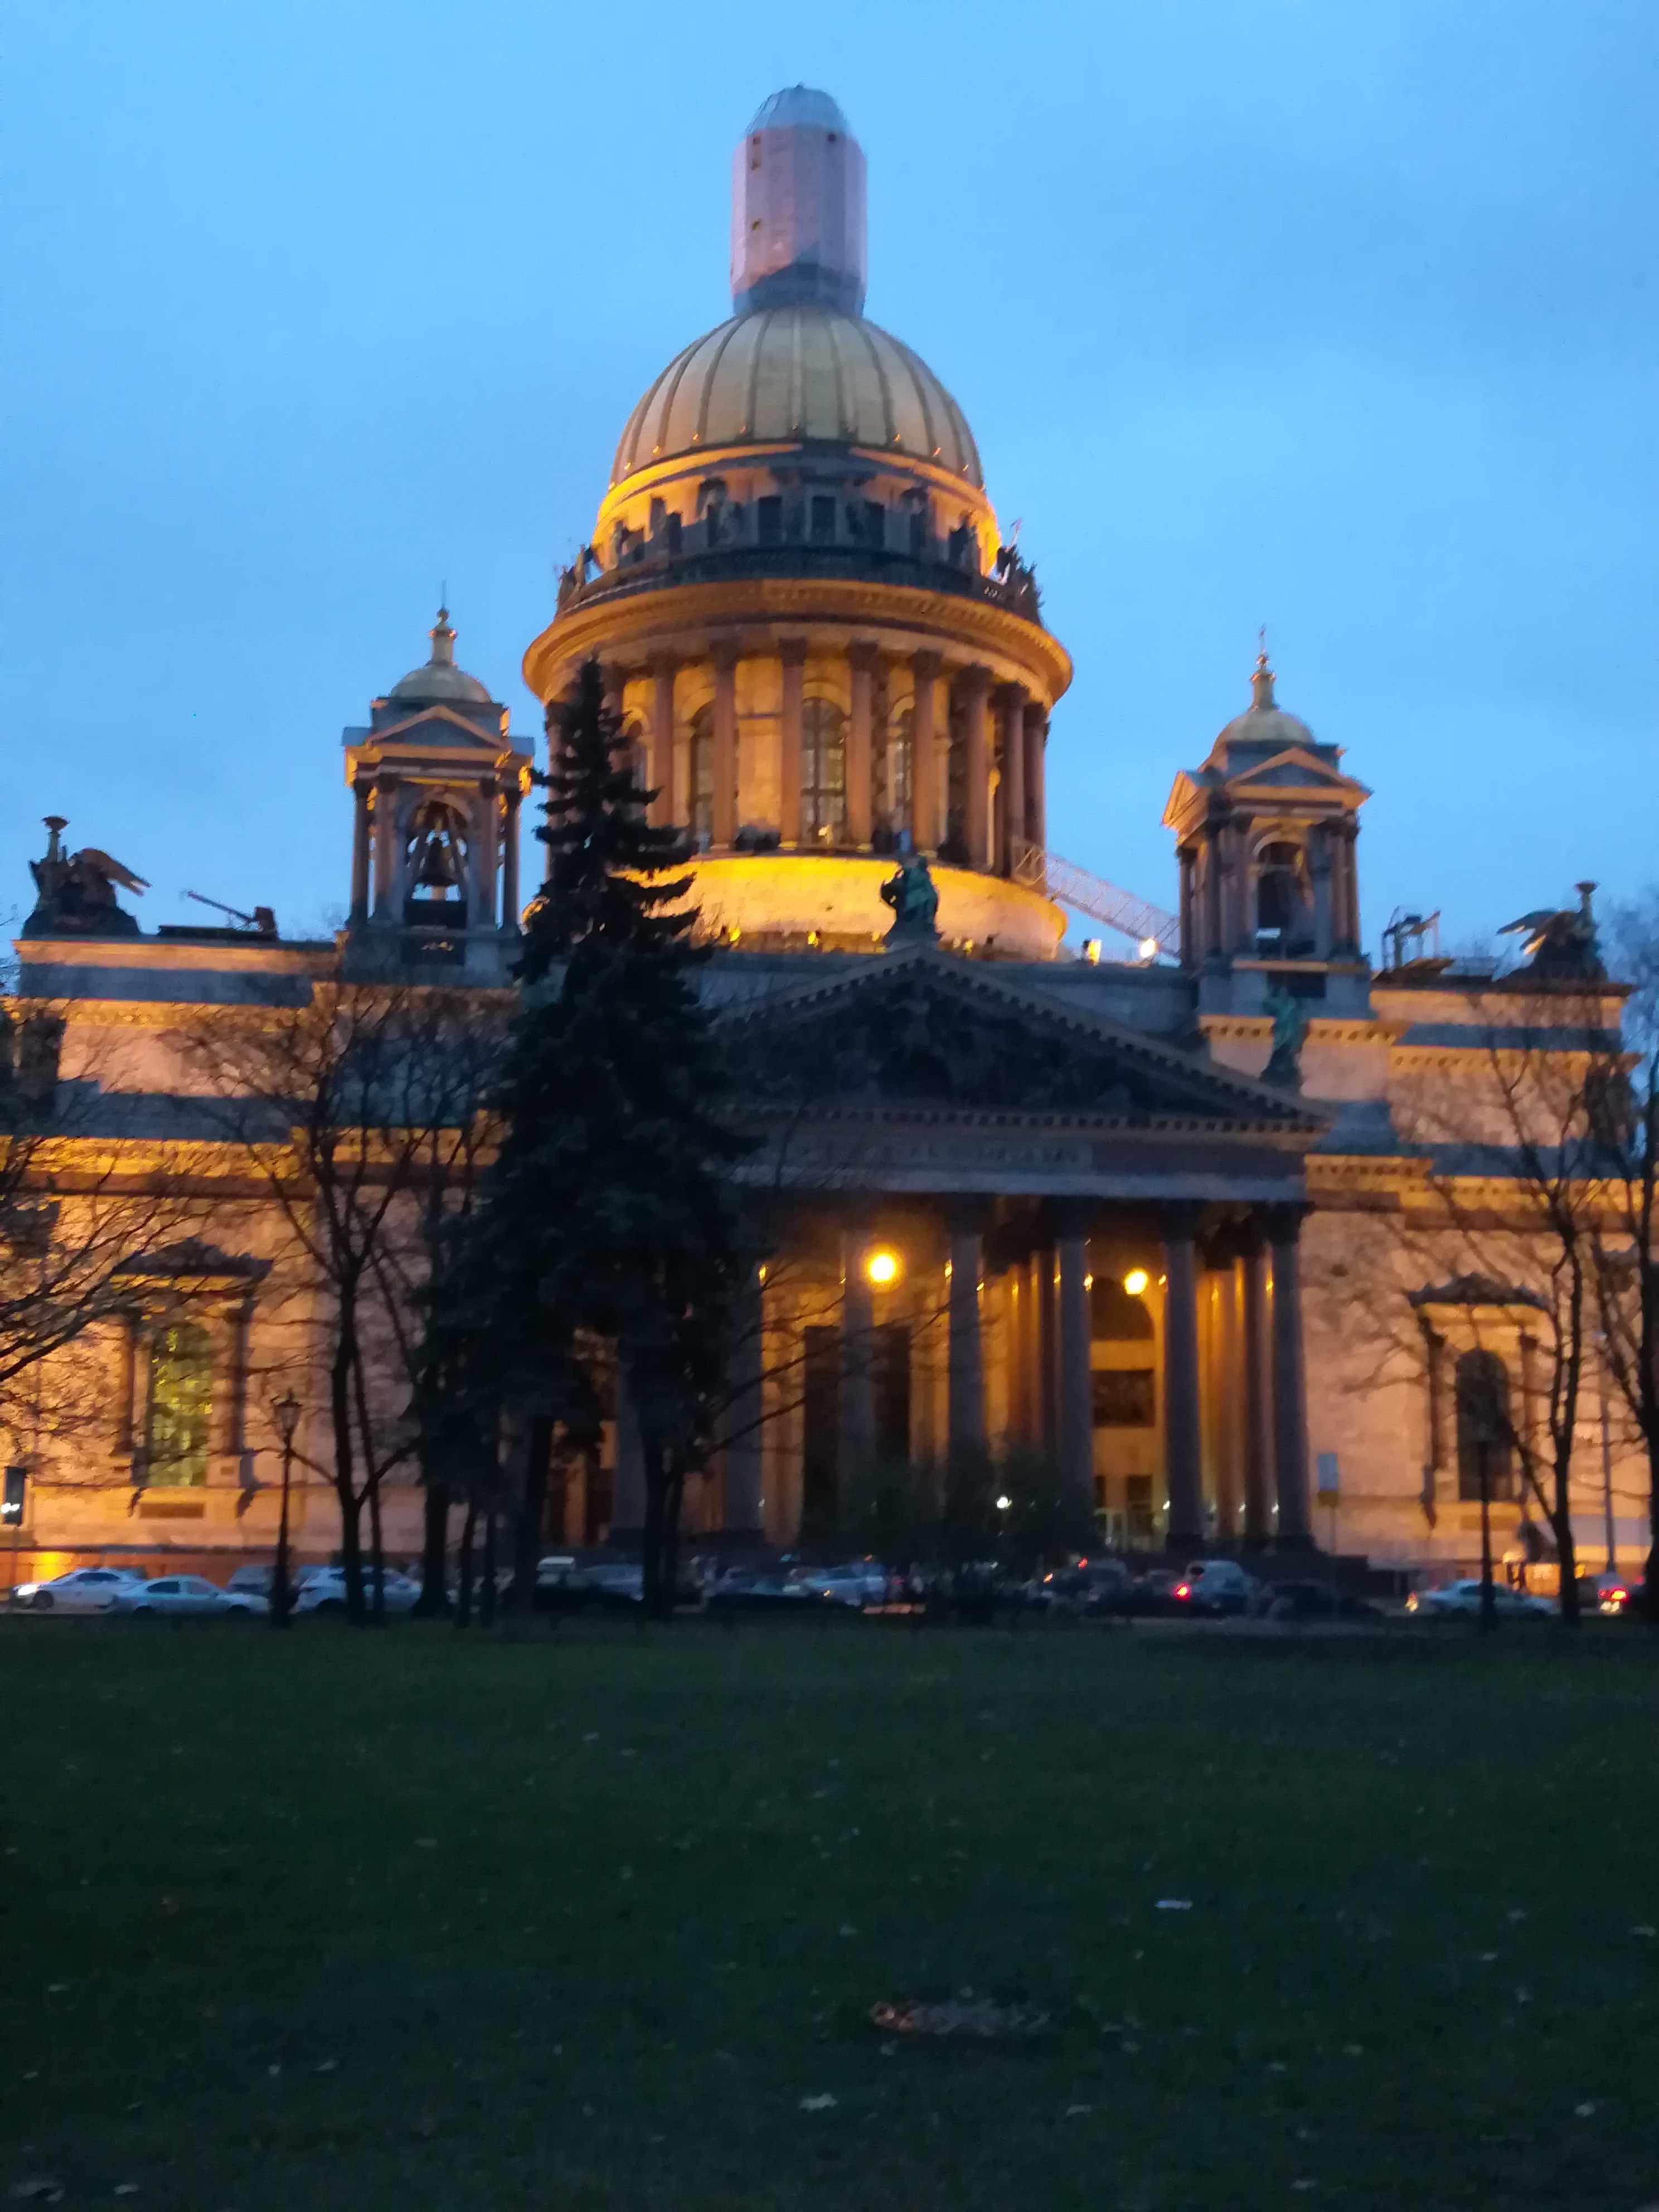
pixel 286 1414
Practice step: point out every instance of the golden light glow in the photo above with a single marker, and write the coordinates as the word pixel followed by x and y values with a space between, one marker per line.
pixel 1135 1281
pixel 882 1267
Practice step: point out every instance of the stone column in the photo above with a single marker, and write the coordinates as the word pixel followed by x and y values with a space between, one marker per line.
pixel 1326 869
pixel 1076 1392
pixel 1211 884
pixel 925 798
pixel 725 745
pixel 861 663
pixel 1013 777
pixel 1257 1377
pixel 360 853
pixel 858 1394
pixel 977 767
pixel 791 664
pixel 1187 859
pixel 484 830
pixel 385 849
pixel 741 1506
pixel 1181 1445
pixel 1037 732
pixel 510 863
pixel 1228 1375
pixel 661 773
pixel 628 1475
pixel 965 1366
pixel 1348 875
pixel 1290 1396
pixel 1046 1309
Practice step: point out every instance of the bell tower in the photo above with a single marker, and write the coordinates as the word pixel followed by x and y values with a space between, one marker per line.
pixel 1266 835
pixel 437 783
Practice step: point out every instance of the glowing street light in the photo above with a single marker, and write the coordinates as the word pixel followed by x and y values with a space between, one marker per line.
pixel 1135 1282
pixel 882 1267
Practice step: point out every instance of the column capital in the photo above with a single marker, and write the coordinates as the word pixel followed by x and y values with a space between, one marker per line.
pixel 927 665
pixel 1012 695
pixel 1179 1217
pixel 724 653
pixel 1284 1219
pixel 792 651
pixel 862 652
pixel 974 678
pixel 663 663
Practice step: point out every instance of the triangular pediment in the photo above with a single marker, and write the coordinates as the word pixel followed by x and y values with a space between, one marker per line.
pixel 930 1032
pixel 437 726
pixel 1298 770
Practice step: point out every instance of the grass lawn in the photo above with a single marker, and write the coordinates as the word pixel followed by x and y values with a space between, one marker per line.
pixel 581 1920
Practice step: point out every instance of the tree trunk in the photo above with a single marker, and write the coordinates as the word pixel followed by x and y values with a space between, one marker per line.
pixel 434 1552
pixel 1488 1593
pixel 531 1523
pixel 376 1557
pixel 651 1589
pixel 487 1591
pixel 672 1502
pixel 345 1481
pixel 464 1608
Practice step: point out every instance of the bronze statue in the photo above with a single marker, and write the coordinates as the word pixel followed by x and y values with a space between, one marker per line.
pixel 76 891
pixel 910 891
pixel 1290 1028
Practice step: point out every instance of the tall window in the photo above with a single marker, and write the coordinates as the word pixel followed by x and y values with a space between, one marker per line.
pixel 823 772
pixel 180 1406
pixel 1484 1434
pixel 703 775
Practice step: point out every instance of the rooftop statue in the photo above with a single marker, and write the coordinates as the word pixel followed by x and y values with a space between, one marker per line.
pixel 76 891
pixel 1290 1028
pixel 1561 944
pixel 910 892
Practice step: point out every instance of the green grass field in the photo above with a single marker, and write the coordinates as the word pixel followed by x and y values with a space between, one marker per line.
pixel 584 1920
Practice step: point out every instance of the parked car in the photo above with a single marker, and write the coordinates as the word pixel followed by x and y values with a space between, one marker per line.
pixel 1462 1598
pixel 185 1596
pixel 325 1591
pixel 1152 1591
pixel 856 1584
pixel 1606 1593
pixel 83 1589
pixel 1313 1601
pixel 257 1581
pixel 1214 1587
pixel 750 1589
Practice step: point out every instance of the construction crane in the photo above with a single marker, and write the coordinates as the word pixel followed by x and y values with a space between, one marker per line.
pixel 1153 930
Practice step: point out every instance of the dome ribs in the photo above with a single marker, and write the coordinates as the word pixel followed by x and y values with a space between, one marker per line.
pixel 721 340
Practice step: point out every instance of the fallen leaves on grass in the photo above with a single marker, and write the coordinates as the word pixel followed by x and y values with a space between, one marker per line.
pixel 981 2019
pixel 822 2102
pixel 1174 1904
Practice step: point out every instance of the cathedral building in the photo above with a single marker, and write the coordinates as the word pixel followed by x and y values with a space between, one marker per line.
pixel 1141 1215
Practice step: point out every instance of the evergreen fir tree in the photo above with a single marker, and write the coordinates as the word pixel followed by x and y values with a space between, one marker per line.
pixel 610 1213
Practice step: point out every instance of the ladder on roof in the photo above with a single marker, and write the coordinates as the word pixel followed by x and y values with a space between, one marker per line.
pixel 1131 917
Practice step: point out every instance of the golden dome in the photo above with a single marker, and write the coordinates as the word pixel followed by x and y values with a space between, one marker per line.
pixel 795 374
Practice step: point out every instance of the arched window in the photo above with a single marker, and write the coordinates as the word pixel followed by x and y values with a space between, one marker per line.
pixel 180 1406
pixel 823 773
pixel 436 858
pixel 1282 901
pixel 703 775
pixel 1486 1438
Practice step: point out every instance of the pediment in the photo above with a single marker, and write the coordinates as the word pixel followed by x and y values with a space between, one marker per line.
pixel 926 1031
pixel 1294 769
pixel 437 726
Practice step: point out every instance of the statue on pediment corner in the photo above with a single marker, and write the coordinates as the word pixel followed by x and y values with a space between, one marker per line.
pixel 912 894
pixel 1290 1030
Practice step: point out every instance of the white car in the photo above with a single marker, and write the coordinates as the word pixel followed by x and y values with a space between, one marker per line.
pixel 183 1596
pixel 861 1582
pixel 325 1591
pixel 1463 1597
pixel 83 1589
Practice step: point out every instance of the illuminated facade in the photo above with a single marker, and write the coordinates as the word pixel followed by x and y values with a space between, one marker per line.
pixel 1103 1211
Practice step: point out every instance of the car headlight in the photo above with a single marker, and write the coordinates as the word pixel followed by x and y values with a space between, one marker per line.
pixel 25 1589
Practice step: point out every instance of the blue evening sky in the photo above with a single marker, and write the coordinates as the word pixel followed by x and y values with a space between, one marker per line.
pixel 1335 317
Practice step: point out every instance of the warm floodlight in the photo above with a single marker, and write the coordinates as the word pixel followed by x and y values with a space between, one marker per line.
pixel 1135 1281
pixel 1148 948
pixel 882 1267
pixel 1003 1502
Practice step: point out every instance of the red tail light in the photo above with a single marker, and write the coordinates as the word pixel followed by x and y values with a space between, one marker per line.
pixel 1183 1589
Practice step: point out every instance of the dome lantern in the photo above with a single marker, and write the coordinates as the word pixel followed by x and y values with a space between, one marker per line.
pixel 797 207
